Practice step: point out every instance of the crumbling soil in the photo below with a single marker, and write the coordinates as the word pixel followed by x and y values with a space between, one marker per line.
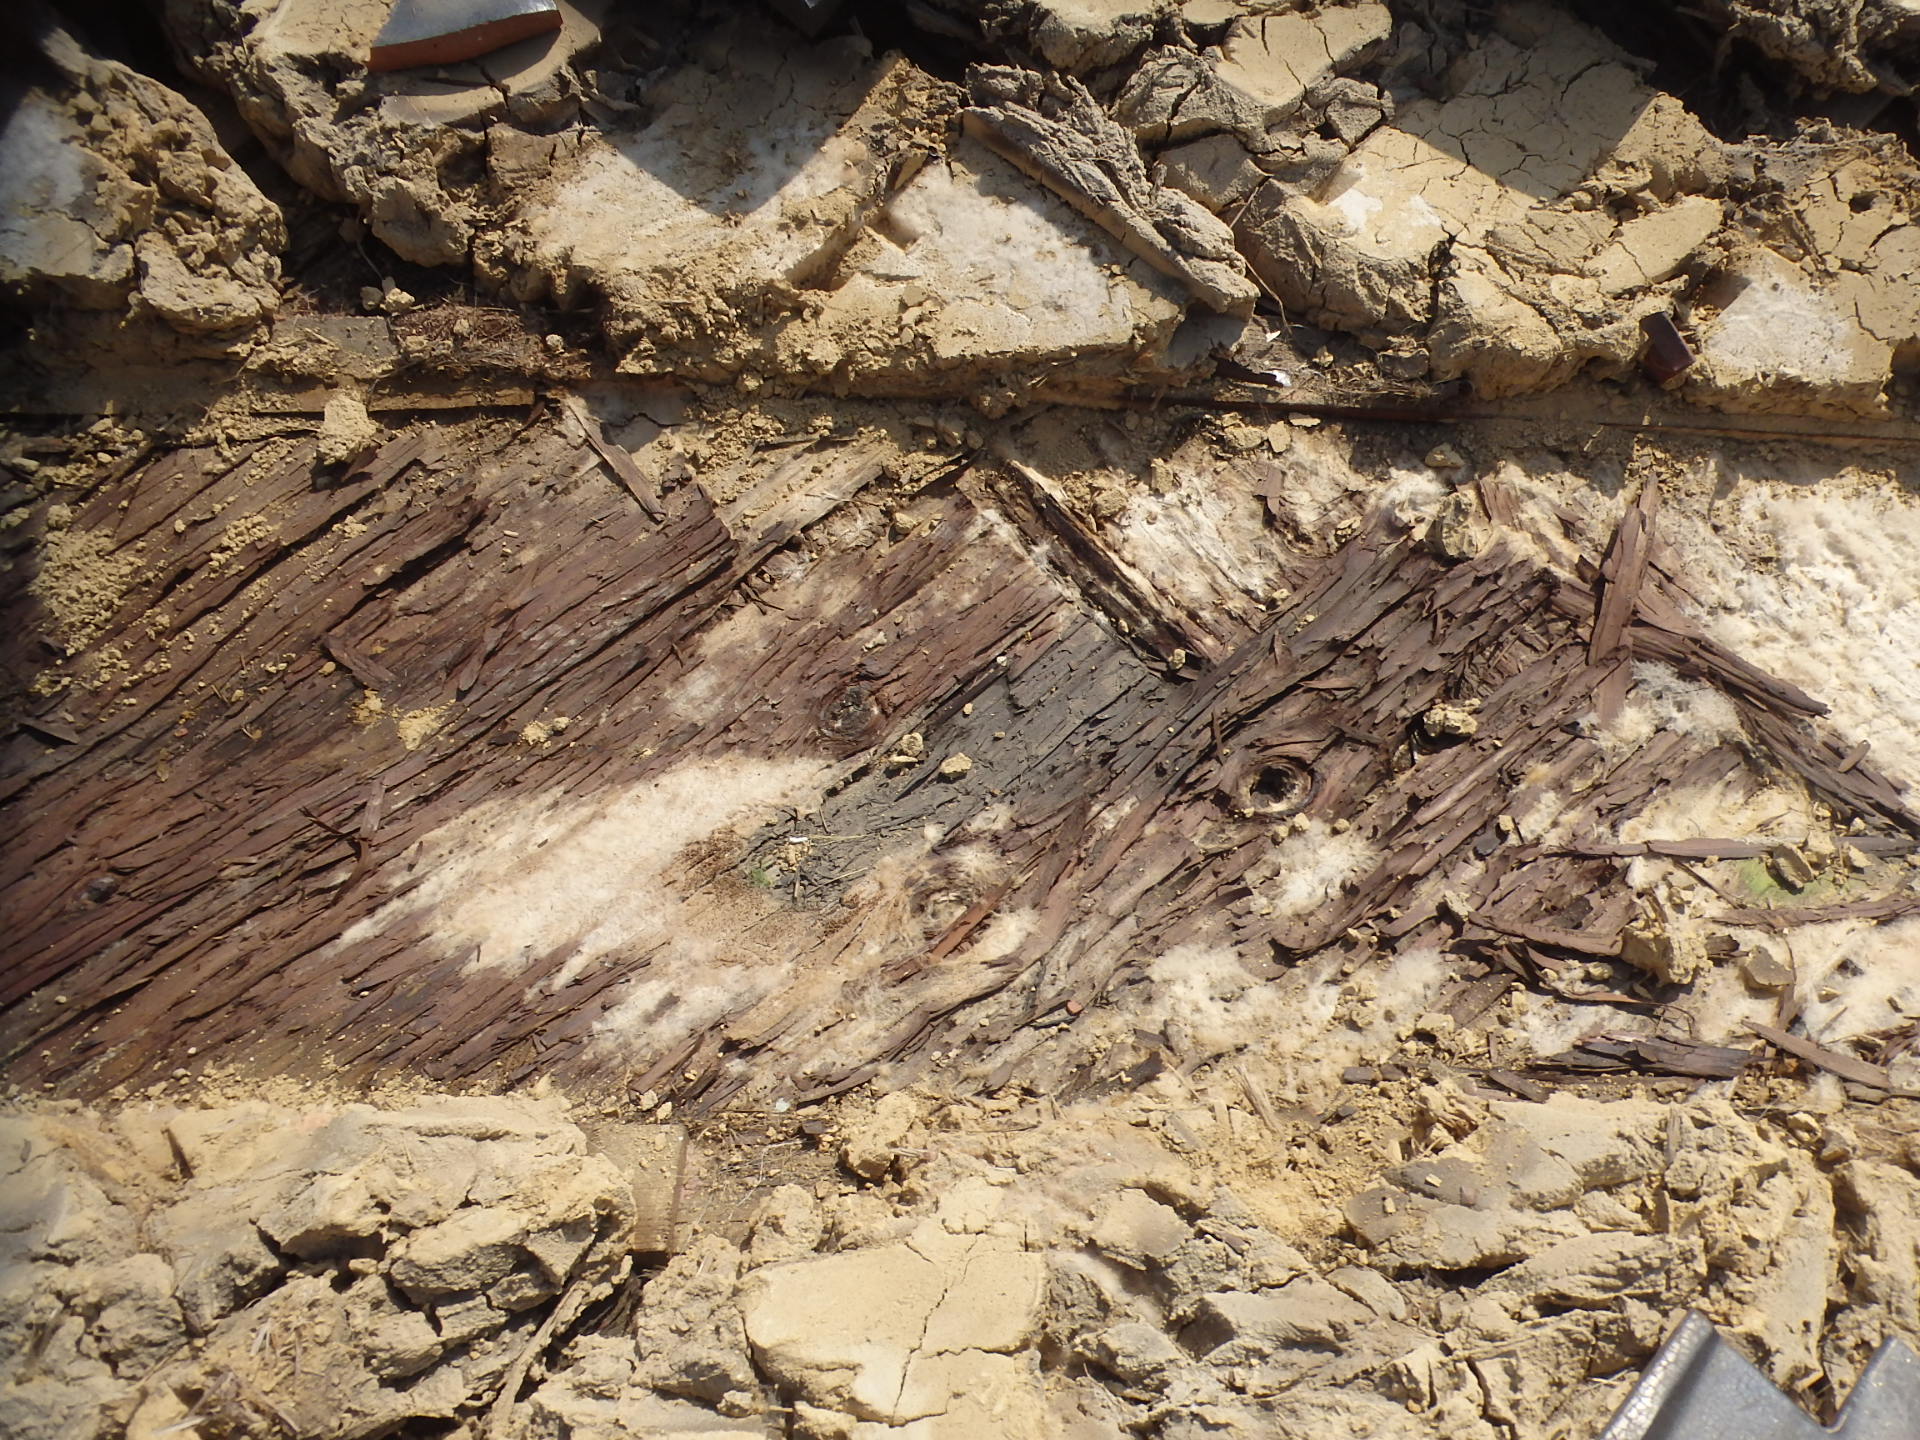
pixel 1033 719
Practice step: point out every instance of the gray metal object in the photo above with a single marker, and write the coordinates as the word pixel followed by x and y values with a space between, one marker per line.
pixel 1700 1388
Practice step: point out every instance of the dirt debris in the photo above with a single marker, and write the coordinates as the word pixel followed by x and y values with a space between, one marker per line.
pixel 82 579
pixel 121 195
pixel 1017 1266
pixel 1847 47
pixel 974 610
pixel 329 1272
pixel 346 430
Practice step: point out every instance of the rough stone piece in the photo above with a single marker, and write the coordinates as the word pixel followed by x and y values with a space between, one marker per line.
pixel 1666 152
pixel 1513 1187
pixel 972 270
pixel 1653 247
pixel 1785 337
pixel 470 1251
pixel 689 1339
pixel 689 227
pixel 1592 1271
pixel 873 1140
pixel 1859 46
pixel 1216 170
pixel 1270 61
pixel 1083 35
pixel 138 198
pixel 389 144
pixel 332 1386
pixel 1885 1201
pixel 1766 971
pixel 64 206
pixel 220 1258
pixel 1235 1326
pixel 1480 177
pixel 1136 1352
pixel 1373 281
pixel 1138 1230
pixel 346 430
pixel 892 1334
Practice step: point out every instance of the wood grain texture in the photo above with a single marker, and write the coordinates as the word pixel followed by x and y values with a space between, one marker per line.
pixel 223 842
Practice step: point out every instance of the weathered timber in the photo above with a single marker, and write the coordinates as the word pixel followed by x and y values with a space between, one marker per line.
pixel 280 811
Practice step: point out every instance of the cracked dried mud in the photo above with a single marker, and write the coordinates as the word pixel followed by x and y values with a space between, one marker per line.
pixel 1020 719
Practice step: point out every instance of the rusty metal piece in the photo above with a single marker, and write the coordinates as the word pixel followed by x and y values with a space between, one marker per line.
pixel 445 32
pixel 1698 1387
pixel 1667 350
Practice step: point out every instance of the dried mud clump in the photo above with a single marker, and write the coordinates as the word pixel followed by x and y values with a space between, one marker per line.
pixel 119 196
pixel 1502 200
pixel 251 1270
pixel 387 145
pixel 1845 45
pixel 951 666
pixel 1113 1268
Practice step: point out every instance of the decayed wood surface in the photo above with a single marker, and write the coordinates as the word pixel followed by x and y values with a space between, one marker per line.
pixel 206 848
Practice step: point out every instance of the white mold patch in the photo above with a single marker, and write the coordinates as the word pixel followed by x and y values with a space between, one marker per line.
pixel 522 877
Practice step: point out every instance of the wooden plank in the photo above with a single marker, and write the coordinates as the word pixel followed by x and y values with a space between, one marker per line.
pixel 1847 1067
pixel 1621 575
pixel 1786 917
pixel 247 853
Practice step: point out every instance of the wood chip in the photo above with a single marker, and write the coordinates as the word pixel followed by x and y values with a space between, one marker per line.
pixel 1519 1085
pixel 617 459
pixel 1880 907
pixel 1847 1067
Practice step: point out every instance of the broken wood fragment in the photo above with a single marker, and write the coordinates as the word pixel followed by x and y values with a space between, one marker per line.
pixel 1622 572
pixel 1519 1085
pixel 616 458
pixel 1652 1054
pixel 1137 805
pixel 1879 907
pixel 1847 1067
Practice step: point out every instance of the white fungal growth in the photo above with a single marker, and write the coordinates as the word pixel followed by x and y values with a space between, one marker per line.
pixel 1310 867
pixel 524 877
